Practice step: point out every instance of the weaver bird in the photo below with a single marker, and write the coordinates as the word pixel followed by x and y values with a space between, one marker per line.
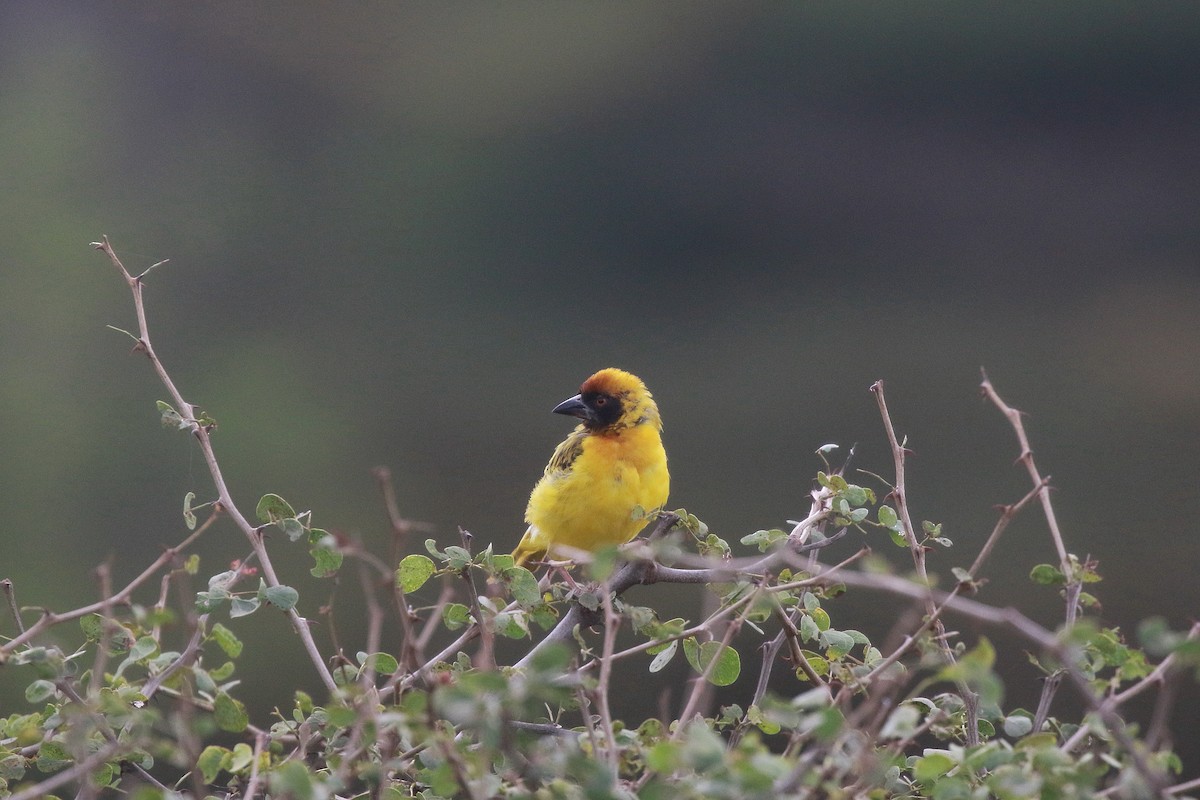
pixel 609 467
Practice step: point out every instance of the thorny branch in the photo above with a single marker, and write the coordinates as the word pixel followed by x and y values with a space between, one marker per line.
pixel 186 410
pixel 642 568
pixel 900 494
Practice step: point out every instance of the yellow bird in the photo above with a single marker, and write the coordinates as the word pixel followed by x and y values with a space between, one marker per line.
pixel 612 464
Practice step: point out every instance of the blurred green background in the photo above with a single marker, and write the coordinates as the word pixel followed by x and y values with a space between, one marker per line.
pixel 400 233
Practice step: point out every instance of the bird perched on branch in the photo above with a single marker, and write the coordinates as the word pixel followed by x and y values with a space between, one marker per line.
pixel 605 477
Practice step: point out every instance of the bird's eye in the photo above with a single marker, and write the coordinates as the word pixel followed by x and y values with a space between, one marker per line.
pixel 601 401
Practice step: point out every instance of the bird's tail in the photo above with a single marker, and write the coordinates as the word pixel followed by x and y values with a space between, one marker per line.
pixel 526 550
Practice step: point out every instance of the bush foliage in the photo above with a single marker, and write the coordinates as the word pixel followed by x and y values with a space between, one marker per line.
pixel 141 698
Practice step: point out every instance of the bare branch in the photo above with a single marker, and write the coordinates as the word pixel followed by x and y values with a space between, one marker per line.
pixel 899 493
pixel 201 432
pixel 1026 458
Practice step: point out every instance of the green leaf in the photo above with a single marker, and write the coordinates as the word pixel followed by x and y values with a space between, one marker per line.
pixel 326 561
pixel 1018 725
pixel 170 417
pixel 952 787
pixel 414 571
pixel 273 508
pixel 223 672
pixel 52 757
pixel 230 714
pixel 143 648
pixel 39 691
pixel 544 616
pixel 1047 575
pixel 809 629
pixel 503 562
pixel 92 626
pixel 210 762
pixel 242 606
pixel 211 601
pixel 898 538
pixel 292 527
pixel 456 615
pixel 837 644
pixel 664 757
pixel 341 716
pixel 511 624
pixel 1154 633
pixel 457 558
pixel 929 768
pixel 855 495
pixel 821 617
pixel 755 717
pixel 382 663
pixel 888 518
pixel 189 516
pixel 292 779
pixel 523 586
pixel 282 597
pixel 304 702
pixel 226 640
pixel 764 540
pixel 242 758
pixel 728 664
pixel 818 662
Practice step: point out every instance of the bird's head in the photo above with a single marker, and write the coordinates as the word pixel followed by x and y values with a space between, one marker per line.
pixel 611 401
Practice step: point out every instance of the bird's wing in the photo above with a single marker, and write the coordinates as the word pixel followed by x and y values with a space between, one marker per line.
pixel 566 452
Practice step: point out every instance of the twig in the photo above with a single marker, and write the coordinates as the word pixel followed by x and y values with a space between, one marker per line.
pixel 79 769
pixel 1180 788
pixel 1026 458
pixel 188 412
pixel 969 697
pixel 433 622
pixel 611 623
pixel 485 657
pixel 260 741
pixel 10 593
pixel 1074 584
pixel 792 635
pixel 1007 514
pixel 629 574
pixel 107 624
pixel 1157 676
pixel 401 527
pixel 698 687
pixel 1044 639
pixel 50 619
pixel 374 623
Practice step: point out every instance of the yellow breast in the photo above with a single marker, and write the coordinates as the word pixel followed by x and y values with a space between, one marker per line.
pixel 593 504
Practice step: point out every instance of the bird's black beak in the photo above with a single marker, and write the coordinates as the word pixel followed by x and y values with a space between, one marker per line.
pixel 575 407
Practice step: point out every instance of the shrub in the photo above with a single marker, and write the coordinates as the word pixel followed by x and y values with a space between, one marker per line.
pixel 824 712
